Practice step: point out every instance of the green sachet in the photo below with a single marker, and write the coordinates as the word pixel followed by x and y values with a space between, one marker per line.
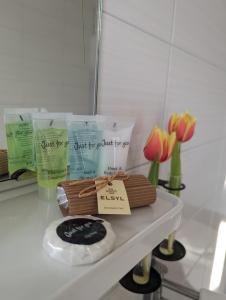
pixel 51 155
pixel 20 140
pixel 20 146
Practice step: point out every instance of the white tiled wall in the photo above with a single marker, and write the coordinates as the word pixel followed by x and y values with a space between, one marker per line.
pixel 45 55
pixel 158 57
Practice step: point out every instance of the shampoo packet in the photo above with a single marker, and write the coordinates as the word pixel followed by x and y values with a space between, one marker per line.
pixel 114 146
pixel 19 135
pixel 51 145
pixel 85 133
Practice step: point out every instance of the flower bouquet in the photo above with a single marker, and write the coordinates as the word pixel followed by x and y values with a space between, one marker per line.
pixel 158 149
pixel 160 146
pixel 184 126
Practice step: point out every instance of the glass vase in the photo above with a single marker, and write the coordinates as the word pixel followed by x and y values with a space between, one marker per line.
pixel 166 247
pixel 141 272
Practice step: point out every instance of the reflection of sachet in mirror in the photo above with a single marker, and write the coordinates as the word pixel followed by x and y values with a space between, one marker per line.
pixel 84 135
pixel 19 135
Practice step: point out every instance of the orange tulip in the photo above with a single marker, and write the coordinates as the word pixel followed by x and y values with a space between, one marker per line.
pixel 183 125
pixel 159 145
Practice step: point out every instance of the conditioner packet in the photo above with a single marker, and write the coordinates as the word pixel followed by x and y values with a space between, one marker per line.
pixel 85 133
pixel 114 146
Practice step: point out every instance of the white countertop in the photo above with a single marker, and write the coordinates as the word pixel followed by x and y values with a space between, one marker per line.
pixel 28 273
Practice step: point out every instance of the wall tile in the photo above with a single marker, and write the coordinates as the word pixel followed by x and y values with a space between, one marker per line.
pixel 73 46
pixel 41 93
pixel 168 294
pixel 200 27
pixel 11 14
pixel 180 269
pixel 11 89
pixel 42 48
pixel 201 169
pixel 53 8
pixel 201 89
pixel 200 174
pixel 73 13
pixel 11 42
pixel 75 76
pixel 41 72
pixel 36 22
pixel 77 99
pixel 198 237
pixel 10 67
pixel 118 292
pixel 199 276
pixel 143 170
pixel 154 16
pixel 133 70
pixel 89 10
pixel 133 73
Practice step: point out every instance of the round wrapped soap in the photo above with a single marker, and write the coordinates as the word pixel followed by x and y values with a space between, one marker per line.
pixel 79 240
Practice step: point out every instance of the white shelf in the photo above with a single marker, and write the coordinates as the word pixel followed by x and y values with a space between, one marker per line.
pixel 26 271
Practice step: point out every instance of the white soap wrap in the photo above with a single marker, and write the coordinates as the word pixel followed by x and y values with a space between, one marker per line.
pixel 76 254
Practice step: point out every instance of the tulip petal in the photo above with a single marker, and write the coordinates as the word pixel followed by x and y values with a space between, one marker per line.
pixel 187 117
pixel 172 123
pixel 189 130
pixel 164 154
pixel 180 128
pixel 150 136
pixel 153 147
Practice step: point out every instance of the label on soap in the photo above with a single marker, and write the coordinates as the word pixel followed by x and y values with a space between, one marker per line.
pixel 113 199
pixel 81 231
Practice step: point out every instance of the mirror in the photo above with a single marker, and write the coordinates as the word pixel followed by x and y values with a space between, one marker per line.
pixel 49 59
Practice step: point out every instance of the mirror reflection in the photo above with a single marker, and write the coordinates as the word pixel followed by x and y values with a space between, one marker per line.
pixel 48 52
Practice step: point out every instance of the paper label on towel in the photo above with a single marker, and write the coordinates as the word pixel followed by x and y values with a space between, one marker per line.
pixel 113 199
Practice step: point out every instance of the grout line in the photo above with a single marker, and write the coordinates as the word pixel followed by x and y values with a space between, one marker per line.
pixel 204 144
pixel 136 27
pixel 183 151
pixel 137 166
pixel 200 257
pixel 164 111
pixel 190 53
pixel 193 266
pixel 83 33
pixel 173 22
pixel 99 15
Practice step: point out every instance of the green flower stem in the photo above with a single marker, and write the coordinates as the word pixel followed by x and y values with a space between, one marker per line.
pixel 175 170
pixel 153 175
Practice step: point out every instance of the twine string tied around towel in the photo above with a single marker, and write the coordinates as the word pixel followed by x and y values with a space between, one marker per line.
pixel 102 182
